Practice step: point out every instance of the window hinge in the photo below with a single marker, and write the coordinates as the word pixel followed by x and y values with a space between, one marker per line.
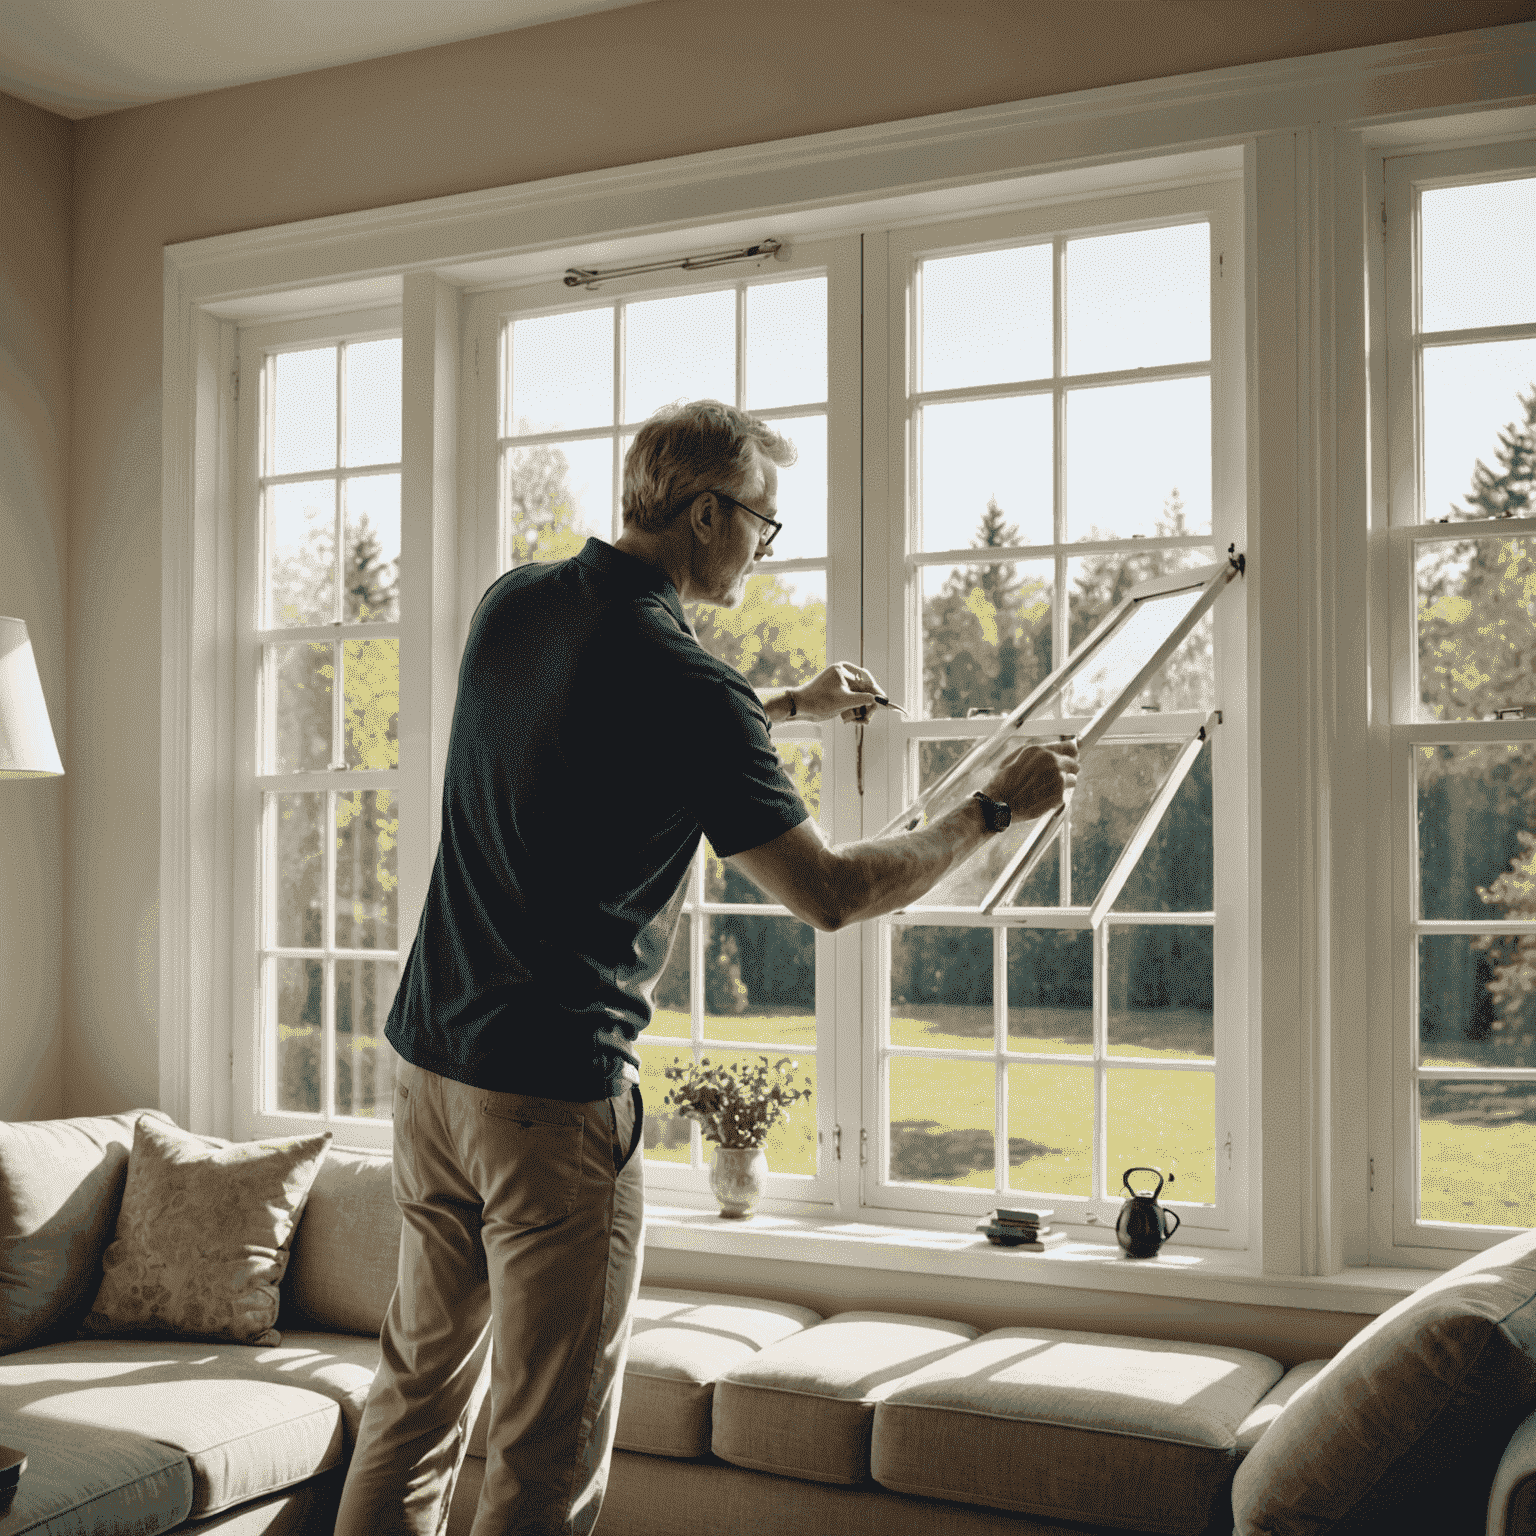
pixel 477 357
pixel 1228 1148
pixel 863 1147
pixel 1370 1167
pixel 1221 264
pixel 1383 217
pixel 837 1142
pixel 234 381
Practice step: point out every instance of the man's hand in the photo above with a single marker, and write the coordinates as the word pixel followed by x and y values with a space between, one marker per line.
pixel 1035 780
pixel 843 689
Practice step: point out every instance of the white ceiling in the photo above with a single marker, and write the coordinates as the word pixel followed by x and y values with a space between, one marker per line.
pixel 80 58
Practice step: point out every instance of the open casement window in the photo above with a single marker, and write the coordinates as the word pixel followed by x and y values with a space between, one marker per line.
pixel 325 605
pixel 1067 433
pixel 577 373
pixel 1455 1031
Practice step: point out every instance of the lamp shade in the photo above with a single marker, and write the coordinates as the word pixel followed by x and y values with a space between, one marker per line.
pixel 27 749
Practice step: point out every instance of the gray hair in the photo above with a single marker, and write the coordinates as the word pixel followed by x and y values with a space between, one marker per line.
pixel 685 449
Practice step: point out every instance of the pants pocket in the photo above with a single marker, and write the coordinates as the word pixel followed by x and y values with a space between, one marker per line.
pixel 539 1149
pixel 628 1128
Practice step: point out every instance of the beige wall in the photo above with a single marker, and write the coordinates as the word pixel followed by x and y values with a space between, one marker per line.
pixel 34 508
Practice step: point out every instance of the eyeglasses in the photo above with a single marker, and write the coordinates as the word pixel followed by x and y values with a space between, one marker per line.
pixel 773 527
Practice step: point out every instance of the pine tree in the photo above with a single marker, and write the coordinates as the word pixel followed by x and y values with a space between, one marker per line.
pixel 1511 490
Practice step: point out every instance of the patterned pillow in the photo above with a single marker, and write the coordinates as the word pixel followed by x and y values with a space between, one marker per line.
pixel 202 1237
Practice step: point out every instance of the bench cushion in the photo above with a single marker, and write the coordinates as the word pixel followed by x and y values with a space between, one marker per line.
pixel 245 1422
pixel 680 1345
pixel 805 1407
pixel 1094 1427
pixel 1405 1425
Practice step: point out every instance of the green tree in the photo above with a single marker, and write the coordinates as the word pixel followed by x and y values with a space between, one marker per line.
pixel 1477 652
pixel 539 505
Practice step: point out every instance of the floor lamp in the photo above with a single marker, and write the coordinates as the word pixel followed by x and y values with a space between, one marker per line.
pixel 27 749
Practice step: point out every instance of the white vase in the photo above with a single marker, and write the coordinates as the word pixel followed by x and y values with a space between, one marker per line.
pixel 738 1176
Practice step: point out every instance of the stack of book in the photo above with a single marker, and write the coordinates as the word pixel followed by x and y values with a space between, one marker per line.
pixel 1029 1230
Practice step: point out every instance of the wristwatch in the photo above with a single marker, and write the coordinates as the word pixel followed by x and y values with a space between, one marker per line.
pixel 998 813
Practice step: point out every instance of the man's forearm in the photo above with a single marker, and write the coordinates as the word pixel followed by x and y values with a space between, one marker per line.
pixel 885 874
pixel 778 706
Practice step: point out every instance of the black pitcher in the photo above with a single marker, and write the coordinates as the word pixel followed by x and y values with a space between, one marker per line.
pixel 1143 1226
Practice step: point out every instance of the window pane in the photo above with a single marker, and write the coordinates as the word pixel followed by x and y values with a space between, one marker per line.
pixel 986 318
pixel 1477 627
pixel 987 476
pixel 301 677
pixel 1475 831
pixel 371 581
pixel 373 401
pixel 786 343
pixel 1479 255
pixel 986 635
pixel 803 491
pixel 365 1061
pixel 1138 455
pixel 1164 1120
pixel 1479 429
pixel 1175 873
pixel 967 883
pixel 791 1144
pixel 941 1122
pixel 941 987
pixel 303 411
pixel 1477 1006
pixel 367 869
pixel 298 870
pixel 1050 991
pixel 554 498
pixel 301 553
pixel 300 1013
pixel 760 981
pixel 1161 984
pixel 371 707
pixel 1116 785
pixel 673 1015
pixel 1119 659
pixel 681 348
pixel 778 637
pixel 1050 1130
pixel 666 1136
pixel 1477 1145
pixel 802 762
pixel 1139 299
pixel 561 369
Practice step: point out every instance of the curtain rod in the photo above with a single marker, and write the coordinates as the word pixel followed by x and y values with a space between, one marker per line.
pixel 580 277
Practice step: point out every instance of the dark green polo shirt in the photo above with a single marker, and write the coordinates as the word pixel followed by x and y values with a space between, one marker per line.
pixel 594 743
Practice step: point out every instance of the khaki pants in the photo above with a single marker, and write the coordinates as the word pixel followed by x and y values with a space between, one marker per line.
pixel 519 1266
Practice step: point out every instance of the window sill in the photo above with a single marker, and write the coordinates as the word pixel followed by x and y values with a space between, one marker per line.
pixel 1085 1261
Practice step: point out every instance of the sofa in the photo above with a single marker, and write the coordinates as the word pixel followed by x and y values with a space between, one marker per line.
pixel 745 1415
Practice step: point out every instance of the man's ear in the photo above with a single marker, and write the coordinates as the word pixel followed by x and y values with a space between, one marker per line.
pixel 704 515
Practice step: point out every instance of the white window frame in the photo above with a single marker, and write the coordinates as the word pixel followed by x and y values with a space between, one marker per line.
pixel 1397 1229
pixel 1311 136
pixel 487 313
pixel 892 554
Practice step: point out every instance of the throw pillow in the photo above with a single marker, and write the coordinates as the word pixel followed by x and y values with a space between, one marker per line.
pixel 61 1182
pixel 202 1237
pixel 1403 1428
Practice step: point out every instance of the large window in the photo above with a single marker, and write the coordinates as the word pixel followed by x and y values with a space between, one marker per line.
pixel 1461 302
pixel 319 686
pixel 1052 423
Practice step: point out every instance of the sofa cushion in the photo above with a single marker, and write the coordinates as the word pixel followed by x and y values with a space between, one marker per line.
pixel 804 1407
pixel 1405 1425
pixel 346 1250
pixel 247 1422
pixel 61 1182
pixel 101 1485
pixel 202 1235
pixel 680 1344
pixel 1094 1427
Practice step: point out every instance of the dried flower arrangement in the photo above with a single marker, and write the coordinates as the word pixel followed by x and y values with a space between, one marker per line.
pixel 735 1106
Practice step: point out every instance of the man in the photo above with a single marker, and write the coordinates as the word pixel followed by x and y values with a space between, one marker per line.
pixel 594 743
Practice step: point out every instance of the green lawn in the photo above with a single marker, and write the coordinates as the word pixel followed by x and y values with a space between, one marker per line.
pixel 1477 1173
